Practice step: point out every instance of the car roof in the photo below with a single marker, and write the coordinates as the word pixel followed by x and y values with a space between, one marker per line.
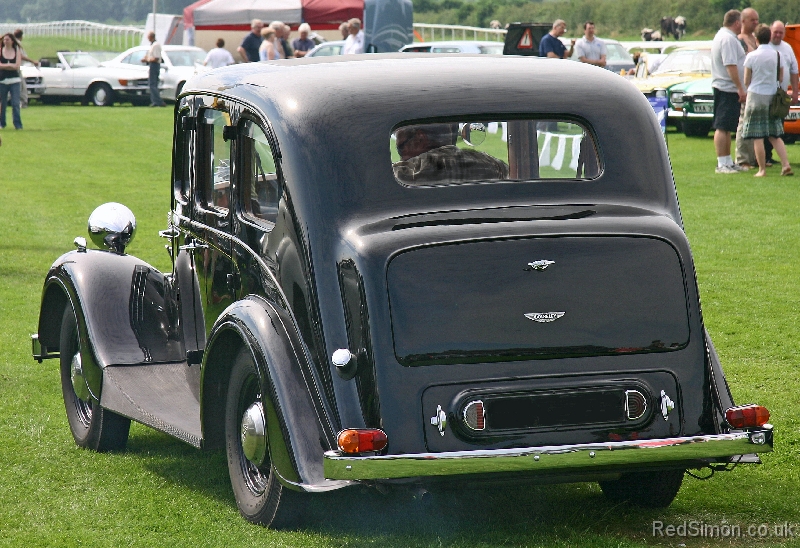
pixel 341 136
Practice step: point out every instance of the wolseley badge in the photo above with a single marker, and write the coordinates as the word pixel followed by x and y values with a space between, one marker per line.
pixel 539 265
pixel 544 317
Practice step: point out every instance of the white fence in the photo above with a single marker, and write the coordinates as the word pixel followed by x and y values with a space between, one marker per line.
pixel 428 31
pixel 112 36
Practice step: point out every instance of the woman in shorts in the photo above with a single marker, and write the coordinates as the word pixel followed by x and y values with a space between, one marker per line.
pixel 761 78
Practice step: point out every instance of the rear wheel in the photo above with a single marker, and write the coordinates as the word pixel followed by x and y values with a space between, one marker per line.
pixel 92 426
pixel 647 489
pixel 259 494
pixel 101 95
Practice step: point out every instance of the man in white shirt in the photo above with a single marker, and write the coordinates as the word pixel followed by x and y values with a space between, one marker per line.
pixel 727 68
pixel 354 42
pixel 219 56
pixel 590 49
pixel 788 59
pixel 153 59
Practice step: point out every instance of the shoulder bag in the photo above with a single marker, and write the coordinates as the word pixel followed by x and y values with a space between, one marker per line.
pixel 779 106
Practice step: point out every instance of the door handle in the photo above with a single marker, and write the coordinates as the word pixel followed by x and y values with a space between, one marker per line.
pixel 193 246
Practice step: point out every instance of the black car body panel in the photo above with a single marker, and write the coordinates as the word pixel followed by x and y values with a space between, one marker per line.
pixel 568 308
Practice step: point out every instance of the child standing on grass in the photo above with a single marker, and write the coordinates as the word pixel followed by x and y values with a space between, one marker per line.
pixel 10 59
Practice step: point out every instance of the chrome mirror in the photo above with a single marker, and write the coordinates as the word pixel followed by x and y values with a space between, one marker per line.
pixel 112 226
pixel 473 133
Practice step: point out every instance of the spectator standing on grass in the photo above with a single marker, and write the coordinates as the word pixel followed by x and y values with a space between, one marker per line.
pixel 267 51
pixel 591 49
pixel 219 56
pixel 303 44
pixel 23 88
pixel 344 28
pixel 248 49
pixel 10 59
pixel 153 60
pixel 745 154
pixel 727 66
pixel 762 74
pixel 277 26
pixel 287 46
pixel 355 40
pixel 551 46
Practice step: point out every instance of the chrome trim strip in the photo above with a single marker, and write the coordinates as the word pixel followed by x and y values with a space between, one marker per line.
pixel 548 458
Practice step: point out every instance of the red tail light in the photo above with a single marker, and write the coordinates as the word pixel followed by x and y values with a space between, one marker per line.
pixel 747 416
pixel 361 440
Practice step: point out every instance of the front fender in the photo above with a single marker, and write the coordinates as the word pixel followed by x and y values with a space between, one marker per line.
pixel 127 314
pixel 299 431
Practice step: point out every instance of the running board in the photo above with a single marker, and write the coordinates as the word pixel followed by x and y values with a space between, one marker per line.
pixel 157 395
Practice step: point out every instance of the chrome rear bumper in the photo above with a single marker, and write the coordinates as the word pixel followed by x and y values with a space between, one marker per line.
pixel 588 456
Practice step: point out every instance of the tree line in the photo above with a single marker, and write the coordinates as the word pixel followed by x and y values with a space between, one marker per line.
pixel 612 17
pixel 101 11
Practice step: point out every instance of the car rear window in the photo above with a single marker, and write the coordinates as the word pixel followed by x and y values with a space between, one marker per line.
pixel 469 152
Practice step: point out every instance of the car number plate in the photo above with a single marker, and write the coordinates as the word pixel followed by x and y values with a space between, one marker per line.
pixel 793 115
pixel 707 107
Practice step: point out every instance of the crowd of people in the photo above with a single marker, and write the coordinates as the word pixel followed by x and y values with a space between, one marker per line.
pixel 750 61
pixel 271 42
pixel 590 49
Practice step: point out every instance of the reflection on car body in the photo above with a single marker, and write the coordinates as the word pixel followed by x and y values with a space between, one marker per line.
pixel 330 323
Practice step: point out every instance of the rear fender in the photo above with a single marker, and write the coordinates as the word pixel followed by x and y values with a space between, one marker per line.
pixel 723 398
pixel 297 426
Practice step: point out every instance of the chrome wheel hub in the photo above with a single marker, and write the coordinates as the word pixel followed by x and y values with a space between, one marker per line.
pixel 254 434
pixel 78 379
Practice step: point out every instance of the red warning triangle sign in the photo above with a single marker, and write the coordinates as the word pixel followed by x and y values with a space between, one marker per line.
pixel 526 42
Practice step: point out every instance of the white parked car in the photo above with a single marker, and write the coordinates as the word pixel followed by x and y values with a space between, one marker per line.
pixel 179 64
pixel 33 79
pixel 79 76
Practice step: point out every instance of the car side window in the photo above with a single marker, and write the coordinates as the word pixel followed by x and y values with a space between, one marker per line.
pixel 135 58
pixel 215 161
pixel 260 189
pixel 181 161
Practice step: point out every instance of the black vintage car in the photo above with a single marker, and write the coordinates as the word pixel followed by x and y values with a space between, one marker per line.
pixel 405 269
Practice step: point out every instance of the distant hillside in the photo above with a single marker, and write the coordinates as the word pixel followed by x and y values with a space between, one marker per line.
pixel 102 11
pixel 612 17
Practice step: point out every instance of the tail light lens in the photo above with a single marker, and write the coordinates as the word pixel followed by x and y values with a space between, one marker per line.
pixel 747 416
pixel 362 440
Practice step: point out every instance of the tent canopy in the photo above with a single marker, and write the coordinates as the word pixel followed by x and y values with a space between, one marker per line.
pixel 237 14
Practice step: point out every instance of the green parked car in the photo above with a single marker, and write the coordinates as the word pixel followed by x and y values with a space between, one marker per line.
pixel 695 99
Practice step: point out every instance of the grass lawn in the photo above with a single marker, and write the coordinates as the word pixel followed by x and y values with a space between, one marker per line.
pixel 745 235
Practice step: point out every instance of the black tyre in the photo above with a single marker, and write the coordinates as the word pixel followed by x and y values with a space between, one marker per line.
pixel 647 489
pixel 696 129
pixel 259 494
pixel 92 426
pixel 101 95
pixel 789 138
